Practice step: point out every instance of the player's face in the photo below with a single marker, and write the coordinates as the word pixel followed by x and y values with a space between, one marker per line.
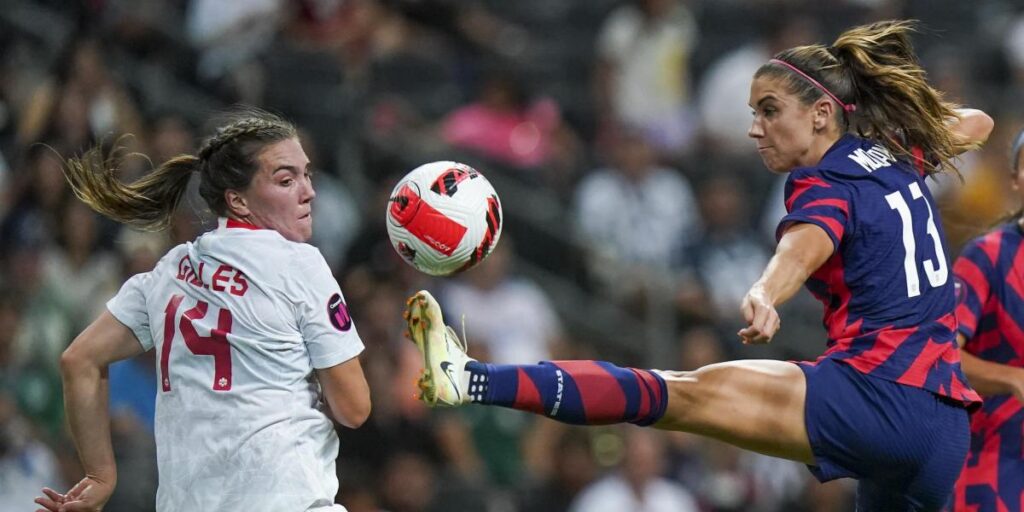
pixel 783 127
pixel 280 196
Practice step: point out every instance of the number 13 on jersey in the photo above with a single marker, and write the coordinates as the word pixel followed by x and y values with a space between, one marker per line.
pixel 216 344
pixel 937 270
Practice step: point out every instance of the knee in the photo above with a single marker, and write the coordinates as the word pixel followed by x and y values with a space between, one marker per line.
pixel 689 393
pixel 701 399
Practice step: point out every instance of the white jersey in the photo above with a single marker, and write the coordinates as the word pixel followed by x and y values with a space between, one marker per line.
pixel 239 319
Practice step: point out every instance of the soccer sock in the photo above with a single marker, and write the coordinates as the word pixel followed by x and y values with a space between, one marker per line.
pixel 577 392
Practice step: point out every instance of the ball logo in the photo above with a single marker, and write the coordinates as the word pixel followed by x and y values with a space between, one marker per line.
pixel 337 311
pixel 448 182
pixel 438 244
pixel 404 204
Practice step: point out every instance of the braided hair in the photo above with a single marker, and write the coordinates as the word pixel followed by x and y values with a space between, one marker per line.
pixel 226 160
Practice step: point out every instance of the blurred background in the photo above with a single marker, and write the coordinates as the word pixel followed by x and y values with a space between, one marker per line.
pixel 637 213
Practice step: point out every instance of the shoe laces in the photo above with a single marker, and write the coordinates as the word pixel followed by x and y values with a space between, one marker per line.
pixel 459 342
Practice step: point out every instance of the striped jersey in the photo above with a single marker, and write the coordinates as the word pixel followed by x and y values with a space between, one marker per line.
pixel 990 311
pixel 887 289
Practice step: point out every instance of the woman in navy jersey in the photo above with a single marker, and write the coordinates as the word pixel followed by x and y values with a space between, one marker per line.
pixel 990 315
pixel 857 128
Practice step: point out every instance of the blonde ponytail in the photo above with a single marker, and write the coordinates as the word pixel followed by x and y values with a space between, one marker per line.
pixel 147 203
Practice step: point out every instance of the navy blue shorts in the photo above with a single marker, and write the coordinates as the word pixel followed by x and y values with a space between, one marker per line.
pixel 906 445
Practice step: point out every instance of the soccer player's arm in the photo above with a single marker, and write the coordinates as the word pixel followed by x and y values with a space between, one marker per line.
pixel 818 212
pixel 802 249
pixel 84 370
pixel 346 392
pixel 330 337
pixel 971 127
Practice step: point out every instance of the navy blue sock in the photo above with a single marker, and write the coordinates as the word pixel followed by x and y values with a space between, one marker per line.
pixel 577 392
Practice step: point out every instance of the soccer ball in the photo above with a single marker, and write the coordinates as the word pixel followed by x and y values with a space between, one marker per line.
pixel 443 218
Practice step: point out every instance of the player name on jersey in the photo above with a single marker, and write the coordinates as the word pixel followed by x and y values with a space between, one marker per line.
pixel 225 279
pixel 872 159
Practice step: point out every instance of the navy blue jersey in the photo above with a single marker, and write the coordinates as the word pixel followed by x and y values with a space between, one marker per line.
pixel 888 288
pixel 990 273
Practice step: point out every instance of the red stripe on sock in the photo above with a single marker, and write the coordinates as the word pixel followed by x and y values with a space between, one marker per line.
pixel 600 393
pixel 527 396
pixel 654 384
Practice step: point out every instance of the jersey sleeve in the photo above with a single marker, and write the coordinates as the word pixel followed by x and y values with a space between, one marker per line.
pixel 322 314
pixel 814 198
pixel 974 271
pixel 129 307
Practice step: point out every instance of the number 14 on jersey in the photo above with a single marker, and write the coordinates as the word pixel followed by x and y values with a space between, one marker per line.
pixel 216 344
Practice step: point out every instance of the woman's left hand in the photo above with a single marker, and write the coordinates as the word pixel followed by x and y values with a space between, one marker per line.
pixel 762 319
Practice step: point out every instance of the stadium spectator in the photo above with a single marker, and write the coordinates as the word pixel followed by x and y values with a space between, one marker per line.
pixel 633 217
pixel 171 135
pixel 38 193
pixel 720 263
pixel 989 313
pixel 638 485
pixel 228 37
pixel 250 427
pixel 46 315
pixel 78 265
pixel 504 124
pixel 1013 45
pixel 411 484
pixel 643 71
pixel 32 385
pixel 571 471
pixel 887 402
pixel 25 462
pixel 82 101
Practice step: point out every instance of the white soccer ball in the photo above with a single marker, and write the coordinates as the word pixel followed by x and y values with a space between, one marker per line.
pixel 443 218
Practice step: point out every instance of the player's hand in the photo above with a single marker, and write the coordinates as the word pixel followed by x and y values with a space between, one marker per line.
pixel 762 319
pixel 50 499
pixel 88 495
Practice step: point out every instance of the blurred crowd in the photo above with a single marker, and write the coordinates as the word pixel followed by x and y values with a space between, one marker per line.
pixel 637 213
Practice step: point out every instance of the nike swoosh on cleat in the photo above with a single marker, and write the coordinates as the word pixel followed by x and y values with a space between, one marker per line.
pixel 446 366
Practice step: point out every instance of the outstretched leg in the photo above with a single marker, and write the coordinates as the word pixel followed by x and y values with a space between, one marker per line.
pixel 757 405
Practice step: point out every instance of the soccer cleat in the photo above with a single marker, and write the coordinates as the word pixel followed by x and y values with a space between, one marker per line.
pixel 444 381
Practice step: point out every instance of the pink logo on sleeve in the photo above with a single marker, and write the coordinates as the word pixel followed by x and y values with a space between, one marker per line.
pixel 337 311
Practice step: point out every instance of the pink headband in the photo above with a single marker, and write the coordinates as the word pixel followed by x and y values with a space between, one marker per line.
pixel 846 108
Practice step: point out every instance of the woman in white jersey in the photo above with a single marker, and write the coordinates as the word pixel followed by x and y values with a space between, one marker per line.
pixel 256 351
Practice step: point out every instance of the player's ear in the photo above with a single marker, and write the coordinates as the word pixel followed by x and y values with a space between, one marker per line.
pixel 823 110
pixel 236 203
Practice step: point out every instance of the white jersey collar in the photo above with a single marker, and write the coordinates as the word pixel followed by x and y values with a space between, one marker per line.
pixel 227 223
